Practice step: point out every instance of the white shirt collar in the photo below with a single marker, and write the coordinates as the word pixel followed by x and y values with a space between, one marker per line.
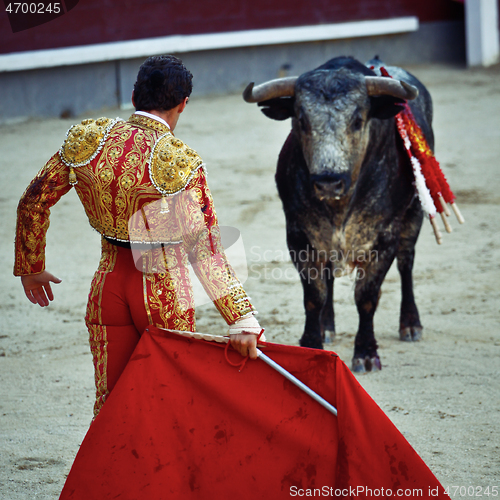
pixel 154 117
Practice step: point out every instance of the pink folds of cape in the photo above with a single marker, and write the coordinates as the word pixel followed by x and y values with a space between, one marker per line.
pixel 183 423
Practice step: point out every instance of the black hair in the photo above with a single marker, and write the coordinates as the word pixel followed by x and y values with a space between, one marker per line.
pixel 162 83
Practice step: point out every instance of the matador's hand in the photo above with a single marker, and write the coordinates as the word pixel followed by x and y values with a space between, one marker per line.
pixel 243 335
pixel 37 287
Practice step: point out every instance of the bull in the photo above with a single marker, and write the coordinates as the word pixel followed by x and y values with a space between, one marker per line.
pixel 347 189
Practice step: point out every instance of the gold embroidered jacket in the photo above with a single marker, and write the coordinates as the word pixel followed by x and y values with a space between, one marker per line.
pixel 140 184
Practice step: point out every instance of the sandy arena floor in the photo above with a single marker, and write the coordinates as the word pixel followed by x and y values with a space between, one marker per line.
pixel 442 393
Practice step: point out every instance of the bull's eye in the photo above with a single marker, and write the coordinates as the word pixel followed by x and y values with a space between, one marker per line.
pixel 357 124
pixel 304 122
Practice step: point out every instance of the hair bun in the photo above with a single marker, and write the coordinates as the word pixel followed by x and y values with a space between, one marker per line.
pixel 156 78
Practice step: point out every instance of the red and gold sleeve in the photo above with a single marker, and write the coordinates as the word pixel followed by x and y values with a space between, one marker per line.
pixel 206 253
pixel 33 214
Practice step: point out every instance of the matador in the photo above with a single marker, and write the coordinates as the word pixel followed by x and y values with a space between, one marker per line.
pixel 145 191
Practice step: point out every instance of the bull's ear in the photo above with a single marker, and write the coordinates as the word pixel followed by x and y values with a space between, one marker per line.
pixel 385 106
pixel 279 108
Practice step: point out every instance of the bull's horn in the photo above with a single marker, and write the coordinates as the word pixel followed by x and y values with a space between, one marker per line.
pixel 281 87
pixel 381 85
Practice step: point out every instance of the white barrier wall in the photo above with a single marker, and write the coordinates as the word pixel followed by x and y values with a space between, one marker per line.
pixel 72 81
pixel 482 35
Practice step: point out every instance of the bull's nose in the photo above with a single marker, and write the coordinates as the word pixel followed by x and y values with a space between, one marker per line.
pixel 329 189
pixel 330 185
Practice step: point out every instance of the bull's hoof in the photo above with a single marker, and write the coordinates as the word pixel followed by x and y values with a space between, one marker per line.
pixel 329 336
pixel 312 343
pixel 411 334
pixel 366 364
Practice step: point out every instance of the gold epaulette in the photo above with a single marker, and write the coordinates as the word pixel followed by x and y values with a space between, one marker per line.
pixel 83 143
pixel 172 165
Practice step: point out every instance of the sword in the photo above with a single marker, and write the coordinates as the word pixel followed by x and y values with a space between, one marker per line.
pixel 221 339
pixel 297 382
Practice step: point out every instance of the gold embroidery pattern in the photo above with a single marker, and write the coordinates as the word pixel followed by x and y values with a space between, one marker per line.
pixel 203 245
pixel 149 123
pixel 151 225
pixel 33 214
pixel 218 277
pixel 84 142
pixel 107 263
pixel 113 187
pixel 99 348
pixel 116 190
pixel 172 165
pixel 168 293
pixel 116 184
pixel 97 331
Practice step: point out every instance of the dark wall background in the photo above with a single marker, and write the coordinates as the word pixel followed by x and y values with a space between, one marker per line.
pixel 99 21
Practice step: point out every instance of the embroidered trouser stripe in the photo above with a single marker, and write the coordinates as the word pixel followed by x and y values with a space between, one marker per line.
pixel 122 303
pixel 98 348
pixel 111 348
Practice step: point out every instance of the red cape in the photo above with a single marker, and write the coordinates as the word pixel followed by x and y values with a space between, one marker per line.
pixel 183 423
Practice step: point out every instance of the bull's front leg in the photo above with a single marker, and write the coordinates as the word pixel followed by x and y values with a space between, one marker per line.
pixel 315 273
pixel 314 278
pixel 327 319
pixel 410 328
pixel 367 294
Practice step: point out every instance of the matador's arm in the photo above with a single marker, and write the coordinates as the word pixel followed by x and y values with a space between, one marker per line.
pixel 206 254
pixel 33 213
